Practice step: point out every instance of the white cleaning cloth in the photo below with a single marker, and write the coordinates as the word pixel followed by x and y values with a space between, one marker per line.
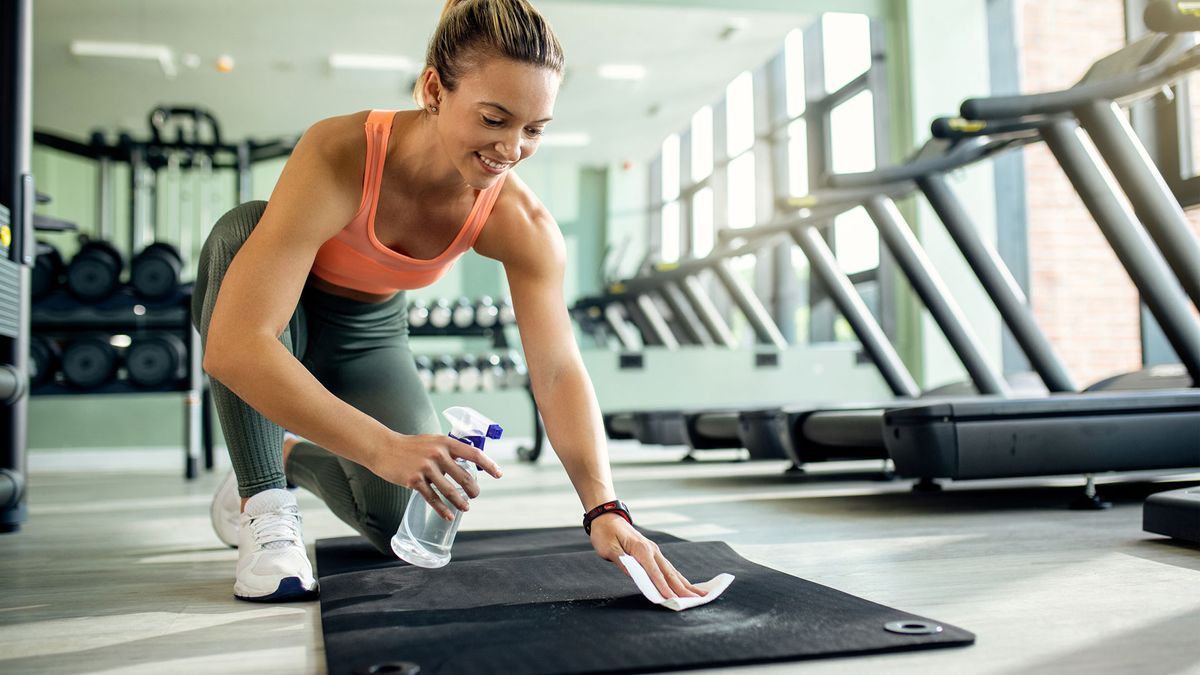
pixel 712 588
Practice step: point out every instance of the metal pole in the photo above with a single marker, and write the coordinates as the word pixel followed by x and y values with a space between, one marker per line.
pixel 742 295
pixel 850 304
pixel 993 274
pixel 708 313
pixel 245 181
pixel 657 324
pixel 614 314
pixel 137 162
pixel 1146 267
pixel 934 293
pixel 686 320
pixel 192 400
pixel 1153 202
pixel 17 198
pixel 104 205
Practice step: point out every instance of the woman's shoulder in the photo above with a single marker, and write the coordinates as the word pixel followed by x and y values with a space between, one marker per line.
pixel 335 147
pixel 339 136
pixel 518 203
pixel 518 225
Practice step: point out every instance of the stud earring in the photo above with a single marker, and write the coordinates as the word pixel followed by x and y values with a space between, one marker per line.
pixel 433 109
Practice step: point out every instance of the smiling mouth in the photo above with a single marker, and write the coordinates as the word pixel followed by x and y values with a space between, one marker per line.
pixel 493 164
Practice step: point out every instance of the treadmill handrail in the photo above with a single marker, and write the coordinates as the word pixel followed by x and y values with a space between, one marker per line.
pixel 953 155
pixel 1175 57
pixel 817 207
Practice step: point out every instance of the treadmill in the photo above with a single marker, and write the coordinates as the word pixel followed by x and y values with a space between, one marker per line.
pixel 1091 432
pixel 1139 68
pixel 1175 513
pixel 669 307
pixel 719 428
pixel 820 432
pixel 767 432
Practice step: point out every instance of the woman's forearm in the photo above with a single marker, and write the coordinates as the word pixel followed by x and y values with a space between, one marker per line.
pixel 576 432
pixel 264 374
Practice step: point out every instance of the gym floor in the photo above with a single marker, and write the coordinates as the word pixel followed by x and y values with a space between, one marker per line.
pixel 1044 588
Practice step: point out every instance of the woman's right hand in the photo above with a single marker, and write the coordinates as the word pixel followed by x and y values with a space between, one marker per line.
pixel 426 461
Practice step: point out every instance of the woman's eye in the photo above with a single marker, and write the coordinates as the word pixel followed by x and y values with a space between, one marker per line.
pixel 491 122
pixel 534 132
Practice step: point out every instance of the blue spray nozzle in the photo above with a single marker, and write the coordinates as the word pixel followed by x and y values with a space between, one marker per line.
pixel 470 426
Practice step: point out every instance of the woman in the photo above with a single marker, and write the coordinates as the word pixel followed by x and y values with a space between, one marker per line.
pixel 301 305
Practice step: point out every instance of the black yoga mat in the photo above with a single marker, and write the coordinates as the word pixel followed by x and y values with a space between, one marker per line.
pixel 540 601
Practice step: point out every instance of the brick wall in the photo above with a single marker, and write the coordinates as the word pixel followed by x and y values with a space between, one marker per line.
pixel 1080 294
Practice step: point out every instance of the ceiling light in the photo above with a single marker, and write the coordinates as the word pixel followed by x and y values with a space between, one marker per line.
pixel 622 71
pixel 127 50
pixel 566 139
pixel 371 62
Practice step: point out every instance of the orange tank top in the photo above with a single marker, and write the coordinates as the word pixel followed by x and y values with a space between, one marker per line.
pixel 354 258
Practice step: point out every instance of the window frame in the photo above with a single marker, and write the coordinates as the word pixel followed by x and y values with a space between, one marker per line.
pixel 775 275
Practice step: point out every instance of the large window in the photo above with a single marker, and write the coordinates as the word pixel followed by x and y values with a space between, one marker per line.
pixel 823 93
pixel 670 195
pixel 847 48
pixel 739 145
pixel 702 144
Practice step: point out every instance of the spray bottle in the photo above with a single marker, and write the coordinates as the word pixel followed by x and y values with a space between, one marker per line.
pixel 424 537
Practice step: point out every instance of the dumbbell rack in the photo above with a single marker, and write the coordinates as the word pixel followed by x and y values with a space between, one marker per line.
pixel 60 316
pixel 500 341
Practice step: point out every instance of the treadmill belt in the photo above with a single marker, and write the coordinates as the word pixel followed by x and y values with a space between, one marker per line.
pixel 541 601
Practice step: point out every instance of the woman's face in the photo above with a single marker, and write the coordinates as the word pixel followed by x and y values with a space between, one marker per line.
pixel 495 117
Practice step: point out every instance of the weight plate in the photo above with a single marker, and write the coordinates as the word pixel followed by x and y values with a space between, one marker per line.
pixel 89 362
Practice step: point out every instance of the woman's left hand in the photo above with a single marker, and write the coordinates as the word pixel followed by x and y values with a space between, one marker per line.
pixel 613 536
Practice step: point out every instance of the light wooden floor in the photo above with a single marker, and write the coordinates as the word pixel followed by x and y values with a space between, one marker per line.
pixel 117 570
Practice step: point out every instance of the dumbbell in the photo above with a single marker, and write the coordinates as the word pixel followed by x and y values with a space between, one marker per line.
pixel 156 359
pixel 424 366
pixel 95 271
pixel 48 270
pixel 506 315
pixel 491 372
pixel 418 314
pixel 44 359
pixel 445 374
pixel 486 312
pixel 440 313
pixel 154 273
pixel 89 361
pixel 468 373
pixel 463 313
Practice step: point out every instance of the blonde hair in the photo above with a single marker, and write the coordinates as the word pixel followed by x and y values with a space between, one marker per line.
pixel 469 29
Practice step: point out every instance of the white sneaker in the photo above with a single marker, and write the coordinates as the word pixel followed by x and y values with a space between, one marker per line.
pixel 272 562
pixel 226 511
pixel 226 507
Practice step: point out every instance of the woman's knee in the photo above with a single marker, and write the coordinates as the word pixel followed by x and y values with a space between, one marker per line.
pixel 221 245
pixel 232 228
pixel 379 528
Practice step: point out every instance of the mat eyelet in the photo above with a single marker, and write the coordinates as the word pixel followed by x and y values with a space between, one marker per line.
pixel 912 627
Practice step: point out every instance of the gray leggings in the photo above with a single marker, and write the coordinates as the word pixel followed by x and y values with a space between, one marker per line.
pixel 359 351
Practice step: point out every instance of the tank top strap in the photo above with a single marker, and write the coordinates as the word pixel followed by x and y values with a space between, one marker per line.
pixel 378 129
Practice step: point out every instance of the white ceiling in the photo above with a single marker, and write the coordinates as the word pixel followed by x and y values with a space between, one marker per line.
pixel 281 83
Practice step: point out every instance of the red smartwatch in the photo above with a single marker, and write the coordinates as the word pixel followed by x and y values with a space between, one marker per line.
pixel 615 506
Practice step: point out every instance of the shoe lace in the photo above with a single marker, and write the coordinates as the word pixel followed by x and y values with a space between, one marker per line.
pixel 278 528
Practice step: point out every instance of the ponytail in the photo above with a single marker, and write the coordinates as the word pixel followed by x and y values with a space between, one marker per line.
pixel 470 29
